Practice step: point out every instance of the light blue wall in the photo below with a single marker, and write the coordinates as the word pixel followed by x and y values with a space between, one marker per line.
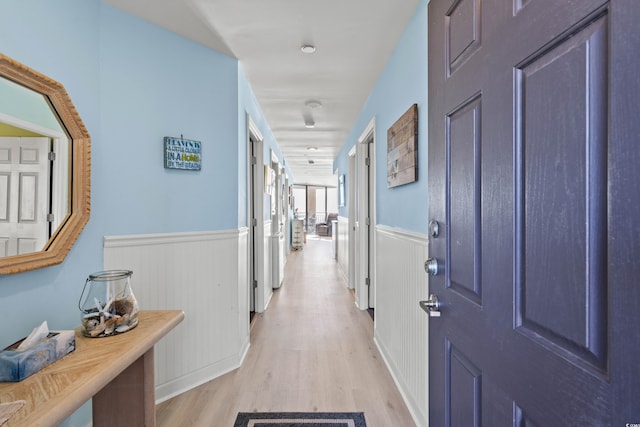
pixel 249 105
pixel 68 53
pixel 61 41
pixel 402 83
pixel 132 83
pixel 155 84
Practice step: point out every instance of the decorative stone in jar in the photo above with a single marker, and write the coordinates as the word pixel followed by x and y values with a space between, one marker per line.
pixel 107 304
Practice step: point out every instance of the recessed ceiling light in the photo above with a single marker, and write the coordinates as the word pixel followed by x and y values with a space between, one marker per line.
pixel 309 123
pixel 308 48
pixel 312 148
pixel 313 103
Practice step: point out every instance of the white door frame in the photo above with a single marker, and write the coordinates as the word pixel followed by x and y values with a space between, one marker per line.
pixel 255 205
pixel 365 242
pixel 287 209
pixel 352 219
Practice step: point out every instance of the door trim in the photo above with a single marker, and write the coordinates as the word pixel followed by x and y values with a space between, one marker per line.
pixel 352 220
pixel 254 199
pixel 365 242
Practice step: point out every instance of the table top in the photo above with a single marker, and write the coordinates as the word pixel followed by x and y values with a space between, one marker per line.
pixel 56 391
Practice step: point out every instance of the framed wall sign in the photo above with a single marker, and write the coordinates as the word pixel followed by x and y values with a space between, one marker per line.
pixel 180 153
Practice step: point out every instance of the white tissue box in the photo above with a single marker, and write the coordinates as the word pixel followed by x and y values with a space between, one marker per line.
pixel 16 365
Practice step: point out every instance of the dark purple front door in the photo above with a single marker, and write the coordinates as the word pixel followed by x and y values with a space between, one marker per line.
pixel 534 179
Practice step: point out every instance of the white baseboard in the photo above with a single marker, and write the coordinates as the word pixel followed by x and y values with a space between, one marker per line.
pixel 203 375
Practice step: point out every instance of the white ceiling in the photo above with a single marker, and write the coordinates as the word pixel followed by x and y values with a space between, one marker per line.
pixel 354 40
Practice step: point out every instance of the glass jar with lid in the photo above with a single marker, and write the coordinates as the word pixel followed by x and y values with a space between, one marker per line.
pixel 107 304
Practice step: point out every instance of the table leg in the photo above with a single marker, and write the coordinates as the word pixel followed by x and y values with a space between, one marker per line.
pixel 128 400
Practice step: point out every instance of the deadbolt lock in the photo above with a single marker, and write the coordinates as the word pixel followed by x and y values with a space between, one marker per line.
pixel 431 266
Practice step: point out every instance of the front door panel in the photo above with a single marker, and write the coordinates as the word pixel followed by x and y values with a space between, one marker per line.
pixel 463 145
pixel 561 195
pixel 528 183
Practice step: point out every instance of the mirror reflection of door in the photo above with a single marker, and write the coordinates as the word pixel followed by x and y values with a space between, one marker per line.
pixel 34 171
pixel 24 183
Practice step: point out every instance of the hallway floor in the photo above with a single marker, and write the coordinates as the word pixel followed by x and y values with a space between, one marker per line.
pixel 311 350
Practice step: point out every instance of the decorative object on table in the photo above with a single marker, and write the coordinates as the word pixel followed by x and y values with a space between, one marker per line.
pixel 402 149
pixel 107 304
pixel 41 348
pixel 180 153
pixel 286 419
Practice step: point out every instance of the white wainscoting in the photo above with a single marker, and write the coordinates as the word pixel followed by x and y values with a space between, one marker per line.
pixel 268 266
pixel 204 274
pixel 343 247
pixel 401 326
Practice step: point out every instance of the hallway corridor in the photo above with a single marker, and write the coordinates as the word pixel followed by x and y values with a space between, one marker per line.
pixel 311 350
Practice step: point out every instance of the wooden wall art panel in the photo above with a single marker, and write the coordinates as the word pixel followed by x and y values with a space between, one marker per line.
pixel 402 149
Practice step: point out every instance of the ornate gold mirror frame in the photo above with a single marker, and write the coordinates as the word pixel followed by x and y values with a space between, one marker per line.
pixel 61 241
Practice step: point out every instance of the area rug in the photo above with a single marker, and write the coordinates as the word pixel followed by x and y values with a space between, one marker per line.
pixel 300 419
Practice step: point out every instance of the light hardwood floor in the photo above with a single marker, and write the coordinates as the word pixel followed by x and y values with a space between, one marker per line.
pixel 311 350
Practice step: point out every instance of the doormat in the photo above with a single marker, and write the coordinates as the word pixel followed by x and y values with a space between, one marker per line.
pixel 300 419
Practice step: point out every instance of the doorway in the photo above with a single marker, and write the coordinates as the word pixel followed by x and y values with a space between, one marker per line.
pixel 353 208
pixel 316 206
pixel 365 219
pixel 255 208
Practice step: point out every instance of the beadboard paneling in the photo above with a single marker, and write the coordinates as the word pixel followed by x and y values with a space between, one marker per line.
pixel 343 246
pixel 268 266
pixel 204 274
pixel 401 327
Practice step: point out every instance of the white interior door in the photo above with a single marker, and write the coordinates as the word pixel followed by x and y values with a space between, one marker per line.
pixel 351 195
pixel 363 278
pixel 255 182
pixel 252 224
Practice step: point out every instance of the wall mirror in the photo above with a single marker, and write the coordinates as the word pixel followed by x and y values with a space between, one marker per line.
pixel 44 170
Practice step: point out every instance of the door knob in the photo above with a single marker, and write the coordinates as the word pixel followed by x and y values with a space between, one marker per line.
pixel 431 306
pixel 431 266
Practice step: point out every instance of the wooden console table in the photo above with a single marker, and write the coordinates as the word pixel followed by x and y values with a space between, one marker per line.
pixel 117 372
